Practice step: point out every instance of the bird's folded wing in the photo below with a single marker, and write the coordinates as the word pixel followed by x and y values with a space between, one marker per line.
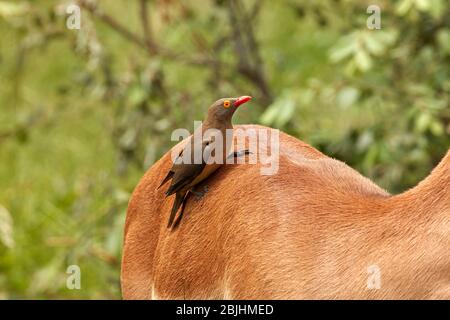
pixel 185 173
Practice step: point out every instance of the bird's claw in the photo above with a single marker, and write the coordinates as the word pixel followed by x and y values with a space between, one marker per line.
pixel 237 154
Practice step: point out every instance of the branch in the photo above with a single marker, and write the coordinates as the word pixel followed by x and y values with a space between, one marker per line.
pixel 130 36
pixel 250 63
pixel 146 44
pixel 146 27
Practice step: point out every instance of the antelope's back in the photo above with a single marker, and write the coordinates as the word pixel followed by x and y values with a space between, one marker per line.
pixel 247 237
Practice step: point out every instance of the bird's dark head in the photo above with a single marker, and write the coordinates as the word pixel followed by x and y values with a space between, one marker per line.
pixel 223 109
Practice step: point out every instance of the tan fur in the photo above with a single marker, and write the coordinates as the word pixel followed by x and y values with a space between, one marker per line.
pixel 310 231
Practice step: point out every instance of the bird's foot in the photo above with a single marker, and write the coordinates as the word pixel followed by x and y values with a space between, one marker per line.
pixel 200 194
pixel 237 154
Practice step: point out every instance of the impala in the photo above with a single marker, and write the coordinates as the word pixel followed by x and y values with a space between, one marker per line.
pixel 316 229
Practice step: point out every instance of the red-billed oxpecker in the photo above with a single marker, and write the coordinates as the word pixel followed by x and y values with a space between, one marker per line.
pixel 193 163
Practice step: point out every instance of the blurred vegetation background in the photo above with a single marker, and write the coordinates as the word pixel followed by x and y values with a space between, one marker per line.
pixel 85 112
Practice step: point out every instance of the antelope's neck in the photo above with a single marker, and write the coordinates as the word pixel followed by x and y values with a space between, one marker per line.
pixel 432 195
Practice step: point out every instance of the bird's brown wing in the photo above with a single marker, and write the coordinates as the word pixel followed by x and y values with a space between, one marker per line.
pixel 184 176
pixel 185 173
pixel 171 172
pixel 167 178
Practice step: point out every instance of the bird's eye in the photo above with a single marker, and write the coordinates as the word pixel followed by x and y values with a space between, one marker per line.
pixel 226 103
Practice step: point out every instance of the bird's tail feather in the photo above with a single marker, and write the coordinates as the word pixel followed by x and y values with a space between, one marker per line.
pixel 167 178
pixel 179 198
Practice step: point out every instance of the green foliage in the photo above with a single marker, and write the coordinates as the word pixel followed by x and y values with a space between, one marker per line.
pixel 85 112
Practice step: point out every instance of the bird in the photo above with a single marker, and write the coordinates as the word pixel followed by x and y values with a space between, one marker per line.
pixel 185 175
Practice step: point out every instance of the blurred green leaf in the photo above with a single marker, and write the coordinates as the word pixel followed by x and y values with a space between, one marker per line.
pixel 10 9
pixel 423 121
pixel 404 6
pixel 347 96
pixel 443 38
pixel 436 128
pixel 6 228
pixel 363 60
pixel 137 95
pixel 344 49
pixel 279 113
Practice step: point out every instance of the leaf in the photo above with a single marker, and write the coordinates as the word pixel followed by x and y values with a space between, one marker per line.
pixel 437 8
pixel 436 128
pixel 345 48
pixel 279 112
pixel 113 242
pixel 121 196
pixel 365 140
pixel 347 97
pixel 129 139
pixel 371 156
pixel 443 38
pixel 422 5
pixel 137 95
pixel 9 9
pixel 306 97
pixel 162 124
pixel 376 43
pixel 47 279
pixel 423 121
pixel 286 112
pixel 339 54
pixel 363 60
pixel 373 45
pixel 268 117
pixel 403 7
pixel 6 228
pixel 388 38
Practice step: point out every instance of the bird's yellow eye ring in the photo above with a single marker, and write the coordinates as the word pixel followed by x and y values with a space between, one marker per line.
pixel 226 103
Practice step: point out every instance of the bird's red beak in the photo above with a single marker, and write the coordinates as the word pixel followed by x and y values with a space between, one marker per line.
pixel 242 100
